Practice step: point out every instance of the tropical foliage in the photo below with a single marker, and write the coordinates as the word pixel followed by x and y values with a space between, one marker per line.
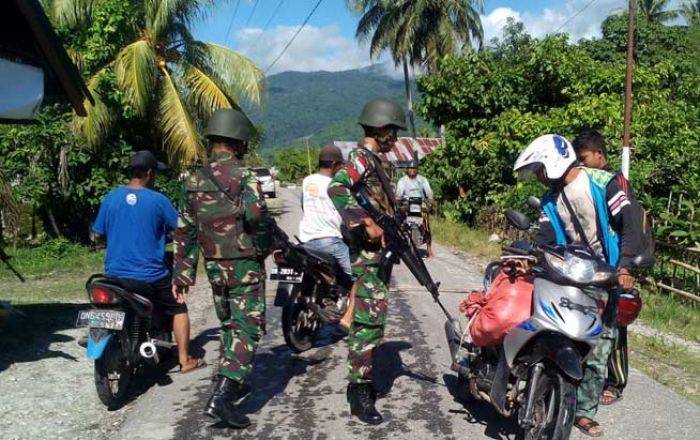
pixel 164 74
pixel 657 10
pixel 496 101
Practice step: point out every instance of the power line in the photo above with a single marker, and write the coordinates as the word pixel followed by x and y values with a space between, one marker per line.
pixel 289 43
pixel 575 15
pixel 274 13
pixel 255 6
pixel 230 23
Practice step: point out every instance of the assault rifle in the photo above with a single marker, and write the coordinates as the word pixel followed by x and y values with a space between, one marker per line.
pixel 6 259
pixel 400 244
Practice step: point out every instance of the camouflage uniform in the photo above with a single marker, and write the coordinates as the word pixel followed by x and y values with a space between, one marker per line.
pixel 226 234
pixel 595 368
pixel 367 328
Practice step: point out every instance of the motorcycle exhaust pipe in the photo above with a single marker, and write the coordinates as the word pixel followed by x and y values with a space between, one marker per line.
pixel 452 332
pixel 148 350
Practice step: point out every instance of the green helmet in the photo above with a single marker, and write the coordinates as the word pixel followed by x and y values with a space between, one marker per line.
pixel 382 112
pixel 230 123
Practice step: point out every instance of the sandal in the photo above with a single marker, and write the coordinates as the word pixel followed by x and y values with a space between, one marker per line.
pixel 588 427
pixel 199 363
pixel 610 396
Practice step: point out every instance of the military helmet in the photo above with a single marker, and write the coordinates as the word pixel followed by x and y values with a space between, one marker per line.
pixel 230 123
pixel 382 112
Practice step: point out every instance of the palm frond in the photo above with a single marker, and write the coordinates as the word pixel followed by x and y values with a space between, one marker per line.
pixel 241 77
pixel 95 126
pixel 135 68
pixel 205 93
pixel 71 13
pixel 182 142
pixel 162 14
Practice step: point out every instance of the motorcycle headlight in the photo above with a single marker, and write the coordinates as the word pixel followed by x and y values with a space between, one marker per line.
pixel 572 267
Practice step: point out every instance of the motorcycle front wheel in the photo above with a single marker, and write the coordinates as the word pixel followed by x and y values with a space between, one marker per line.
pixel 300 324
pixel 112 376
pixel 553 408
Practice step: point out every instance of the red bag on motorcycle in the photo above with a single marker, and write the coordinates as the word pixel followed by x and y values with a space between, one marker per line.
pixel 507 303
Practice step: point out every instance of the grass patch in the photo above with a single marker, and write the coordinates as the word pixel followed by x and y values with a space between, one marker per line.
pixel 662 312
pixel 671 365
pixel 462 237
pixel 55 271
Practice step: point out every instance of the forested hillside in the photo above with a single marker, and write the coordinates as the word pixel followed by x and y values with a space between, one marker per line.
pixel 322 104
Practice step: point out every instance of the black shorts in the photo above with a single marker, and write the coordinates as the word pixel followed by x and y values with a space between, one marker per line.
pixel 159 292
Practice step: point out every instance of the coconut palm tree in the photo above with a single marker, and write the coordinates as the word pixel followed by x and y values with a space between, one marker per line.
pixel 691 12
pixel 657 10
pixel 418 32
pixel 165 74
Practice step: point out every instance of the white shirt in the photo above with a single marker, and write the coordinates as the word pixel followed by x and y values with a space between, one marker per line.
pixel 320 219
pixel 579 194
pixel 417 187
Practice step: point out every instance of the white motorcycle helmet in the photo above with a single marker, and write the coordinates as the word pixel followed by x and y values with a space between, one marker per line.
pixel 552 152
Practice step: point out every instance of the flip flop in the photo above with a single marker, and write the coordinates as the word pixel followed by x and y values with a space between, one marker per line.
pixel 610 396
pixel 585 428
pixel 199 363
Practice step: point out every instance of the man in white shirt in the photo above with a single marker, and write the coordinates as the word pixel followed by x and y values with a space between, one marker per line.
pixel 415 185
pixel 319 228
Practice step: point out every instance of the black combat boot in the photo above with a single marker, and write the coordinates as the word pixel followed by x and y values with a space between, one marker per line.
pixel 361 397
pixel 221 407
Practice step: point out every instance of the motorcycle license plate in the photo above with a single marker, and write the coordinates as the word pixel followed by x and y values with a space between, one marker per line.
pixel 109 319
pixel 285 274
pixel 415 209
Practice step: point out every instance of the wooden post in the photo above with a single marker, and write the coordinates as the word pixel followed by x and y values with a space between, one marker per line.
pixel 627 124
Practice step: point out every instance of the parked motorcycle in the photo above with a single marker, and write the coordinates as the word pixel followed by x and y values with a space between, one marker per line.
pixel 533 375
pixel 312 290
pixel 125 333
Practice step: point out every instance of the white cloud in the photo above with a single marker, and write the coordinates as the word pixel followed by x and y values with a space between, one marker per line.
pixel 315 48
pixel 584 25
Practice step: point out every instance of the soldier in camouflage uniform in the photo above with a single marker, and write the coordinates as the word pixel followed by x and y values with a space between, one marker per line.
pixel 381 120
pixel 222 213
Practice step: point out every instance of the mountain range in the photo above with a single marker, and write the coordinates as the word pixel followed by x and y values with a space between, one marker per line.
pixel 322 105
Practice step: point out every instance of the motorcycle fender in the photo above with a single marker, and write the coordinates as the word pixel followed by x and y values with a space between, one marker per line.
pixel 561 352
pixel 284 291
pixel 98 339
pixel 500 385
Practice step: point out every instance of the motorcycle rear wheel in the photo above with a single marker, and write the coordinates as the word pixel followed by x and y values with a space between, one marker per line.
pixel 300 325
pixel 113 374
pixel 554 408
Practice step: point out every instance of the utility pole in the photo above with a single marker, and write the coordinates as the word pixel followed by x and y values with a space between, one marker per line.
pixel 627 124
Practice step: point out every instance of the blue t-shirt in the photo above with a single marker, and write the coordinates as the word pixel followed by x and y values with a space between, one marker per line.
pixel 135 223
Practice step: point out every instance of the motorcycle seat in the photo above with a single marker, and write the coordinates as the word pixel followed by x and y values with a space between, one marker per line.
pixel 328 258
pixel 141 304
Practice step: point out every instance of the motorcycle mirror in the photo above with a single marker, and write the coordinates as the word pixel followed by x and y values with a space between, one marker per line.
pixel 518 219
pixel 534 202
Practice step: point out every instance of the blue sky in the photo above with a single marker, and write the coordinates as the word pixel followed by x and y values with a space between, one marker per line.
pixel 328 43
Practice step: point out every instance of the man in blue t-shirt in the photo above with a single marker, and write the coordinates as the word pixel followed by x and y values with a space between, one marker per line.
pixel 135 221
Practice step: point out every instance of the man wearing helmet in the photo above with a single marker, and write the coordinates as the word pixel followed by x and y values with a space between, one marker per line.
pixel 588 207
pixel 381 119
pixel 223 215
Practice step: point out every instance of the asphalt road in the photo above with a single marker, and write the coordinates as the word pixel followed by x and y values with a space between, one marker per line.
pixel 304 396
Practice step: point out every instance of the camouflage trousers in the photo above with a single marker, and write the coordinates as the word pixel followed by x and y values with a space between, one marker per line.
pixel 367 328
pixel 241 310
pixel 595 369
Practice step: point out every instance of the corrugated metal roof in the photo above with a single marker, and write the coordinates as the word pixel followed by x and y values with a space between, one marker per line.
pixel 402 153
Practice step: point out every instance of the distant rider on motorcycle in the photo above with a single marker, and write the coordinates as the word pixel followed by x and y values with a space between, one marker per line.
pixel 587 207
pixel 134 219
pixel 414 185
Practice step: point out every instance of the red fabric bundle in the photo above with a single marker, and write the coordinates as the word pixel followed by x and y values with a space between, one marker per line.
pixel 507 303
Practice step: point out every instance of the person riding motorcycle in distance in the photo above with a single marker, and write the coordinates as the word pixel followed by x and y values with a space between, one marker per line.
pixel 587 207
pixel 414 185
pixel 135 219
pixel 380 119
pixel 592 152
pixel 223 215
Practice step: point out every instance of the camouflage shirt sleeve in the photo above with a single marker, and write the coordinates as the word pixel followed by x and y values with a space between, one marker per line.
pixel 357 167
pixel 256 214
pixel 186 248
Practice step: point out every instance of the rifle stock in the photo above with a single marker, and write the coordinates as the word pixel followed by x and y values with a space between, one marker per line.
pixel 6 259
